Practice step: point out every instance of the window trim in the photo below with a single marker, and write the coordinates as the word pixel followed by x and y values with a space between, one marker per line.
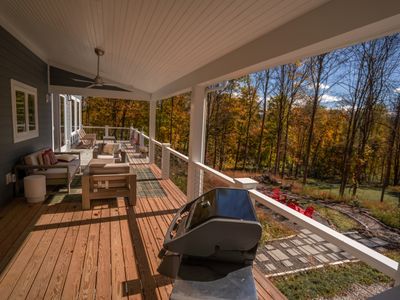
pixel 26 89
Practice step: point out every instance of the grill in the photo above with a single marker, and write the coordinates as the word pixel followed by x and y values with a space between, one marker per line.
pixel 211 237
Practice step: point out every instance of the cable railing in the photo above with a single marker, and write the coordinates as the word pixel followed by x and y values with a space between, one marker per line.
pixel 206 178
pixel 119 133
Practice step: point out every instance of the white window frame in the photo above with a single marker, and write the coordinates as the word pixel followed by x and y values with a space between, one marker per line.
pixel 28 134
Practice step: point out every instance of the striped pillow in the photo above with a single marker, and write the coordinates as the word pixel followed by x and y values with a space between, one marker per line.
pixel 49 157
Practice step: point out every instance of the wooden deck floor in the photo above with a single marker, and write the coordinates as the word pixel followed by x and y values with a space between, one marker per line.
pixel 54 251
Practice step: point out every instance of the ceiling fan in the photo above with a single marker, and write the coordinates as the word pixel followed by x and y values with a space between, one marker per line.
pixel 98 80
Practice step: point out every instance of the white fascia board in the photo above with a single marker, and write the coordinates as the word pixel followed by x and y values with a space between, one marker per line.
pixel 59 89
pixel 336 24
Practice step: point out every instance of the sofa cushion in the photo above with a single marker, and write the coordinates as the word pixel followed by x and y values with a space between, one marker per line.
pixel 60 173
pixel 65 157
pixel 110 168
pixel 56 173
pixel 108 149
pixel 32 159
pixel 103 156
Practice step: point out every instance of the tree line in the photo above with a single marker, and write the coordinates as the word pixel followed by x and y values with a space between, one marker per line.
pixel 334 116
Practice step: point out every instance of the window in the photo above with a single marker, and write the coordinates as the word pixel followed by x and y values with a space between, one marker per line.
pixel 73 115
pixel 24 111
pixel 62 121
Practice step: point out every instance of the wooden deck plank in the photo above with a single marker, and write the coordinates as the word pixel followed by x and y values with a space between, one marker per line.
pixel 60 272
pixel 16 226
pixel 32 268
pixel 72 282
pixel 103 281
pixel 133 284
pixel 118 277
pixel 39 286
pixel 12 275
pixel 150 244
pixel 88 280
pixel 147 281
pixel 157 230
pixel 107 252
pixel 6 260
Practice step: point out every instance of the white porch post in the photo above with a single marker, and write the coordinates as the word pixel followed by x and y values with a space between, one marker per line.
pixel 152 130
pixel 196 142
pixel 165 159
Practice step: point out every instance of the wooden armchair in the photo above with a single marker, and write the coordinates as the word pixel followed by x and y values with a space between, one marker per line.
pixel 87 139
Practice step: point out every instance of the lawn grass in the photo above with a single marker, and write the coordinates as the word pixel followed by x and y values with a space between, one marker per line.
pixel 329 281
pixel 341 222
pixel 388 211
pixel 272 229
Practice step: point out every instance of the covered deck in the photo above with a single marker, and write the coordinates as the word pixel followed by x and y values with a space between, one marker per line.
pixel 57 250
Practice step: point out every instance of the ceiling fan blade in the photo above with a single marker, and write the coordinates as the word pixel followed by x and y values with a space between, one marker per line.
pixel 90 86
pixel 111 84
pixel 80 80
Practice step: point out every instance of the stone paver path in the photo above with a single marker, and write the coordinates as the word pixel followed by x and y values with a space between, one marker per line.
pixel 306 251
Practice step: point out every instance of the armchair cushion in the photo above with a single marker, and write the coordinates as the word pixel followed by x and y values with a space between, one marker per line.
pixel 66 157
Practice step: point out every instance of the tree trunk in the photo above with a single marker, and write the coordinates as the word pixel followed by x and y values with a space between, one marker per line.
pixel 317 85
pixel 260 140
pixel 392 139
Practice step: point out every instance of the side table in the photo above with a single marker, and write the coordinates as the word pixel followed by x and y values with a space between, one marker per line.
pixel 35 188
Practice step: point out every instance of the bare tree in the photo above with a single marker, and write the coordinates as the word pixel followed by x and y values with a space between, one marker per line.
pixel 320 68
pixel 265 86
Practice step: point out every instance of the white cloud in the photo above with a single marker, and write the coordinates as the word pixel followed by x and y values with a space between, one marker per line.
pixel 397 90
pixel 330 98
pixel 324 86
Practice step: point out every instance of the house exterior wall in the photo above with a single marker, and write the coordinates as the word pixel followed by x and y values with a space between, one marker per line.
pixel 19 63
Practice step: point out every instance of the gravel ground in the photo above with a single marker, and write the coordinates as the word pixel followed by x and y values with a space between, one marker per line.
pixel 358 291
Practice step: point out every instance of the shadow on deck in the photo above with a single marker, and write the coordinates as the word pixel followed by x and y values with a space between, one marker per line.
pixel 56 249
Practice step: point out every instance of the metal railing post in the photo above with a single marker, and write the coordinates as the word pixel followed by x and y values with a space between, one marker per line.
pixel 165 161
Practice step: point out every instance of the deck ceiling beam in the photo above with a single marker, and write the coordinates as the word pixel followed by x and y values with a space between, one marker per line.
pixel 336 24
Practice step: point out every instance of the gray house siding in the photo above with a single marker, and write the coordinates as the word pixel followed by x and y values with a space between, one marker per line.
pixel 19 63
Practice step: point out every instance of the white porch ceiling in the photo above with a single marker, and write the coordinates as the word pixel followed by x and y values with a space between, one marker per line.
pixel 157 48
pixel 148 43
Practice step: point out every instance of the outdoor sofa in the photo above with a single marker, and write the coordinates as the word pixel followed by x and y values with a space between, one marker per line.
pixel 62 172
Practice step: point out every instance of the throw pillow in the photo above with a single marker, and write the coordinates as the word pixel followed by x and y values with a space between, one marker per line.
pixel 49 158
pixel 53 158
pixel 46 158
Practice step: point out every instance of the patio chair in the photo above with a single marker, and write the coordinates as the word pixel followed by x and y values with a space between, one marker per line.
pixel 104 179
pixel 88 140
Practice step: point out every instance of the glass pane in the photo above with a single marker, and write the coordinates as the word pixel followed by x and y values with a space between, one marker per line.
pixel 31 112
pixel 20 107
pixel 62 116
pixel 73 115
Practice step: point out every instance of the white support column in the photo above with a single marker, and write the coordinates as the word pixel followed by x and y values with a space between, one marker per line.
pixel 106 131
pixel 196 142
pixel 165 159
pixel 152 130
